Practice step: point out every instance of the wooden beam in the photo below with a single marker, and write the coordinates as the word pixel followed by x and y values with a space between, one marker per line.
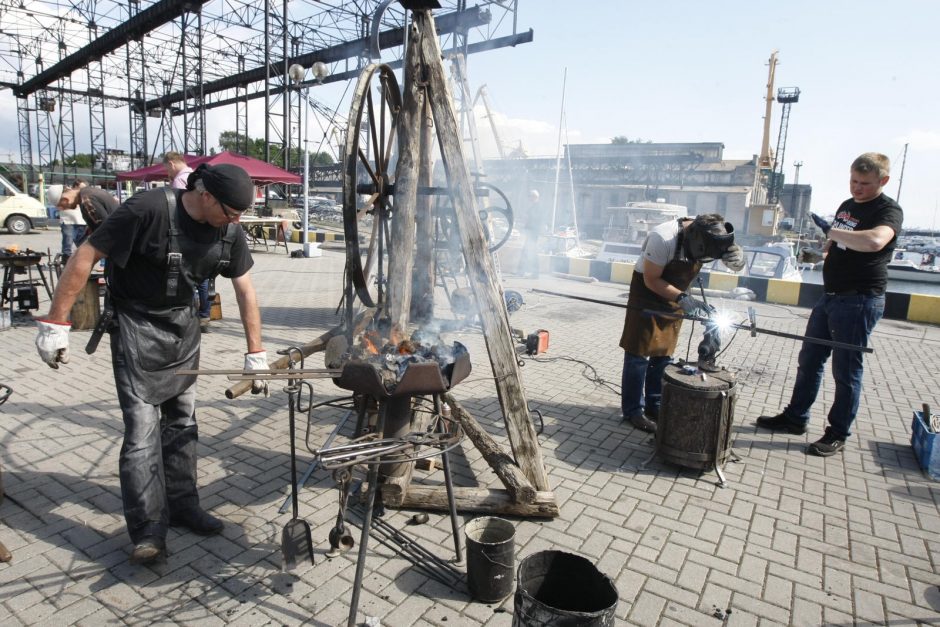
pixel 519 488
pixel 422 286
pixel 480 268
pixel 481 501
pixel 401 247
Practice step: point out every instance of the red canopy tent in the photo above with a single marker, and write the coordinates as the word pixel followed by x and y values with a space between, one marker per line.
pixel 261 173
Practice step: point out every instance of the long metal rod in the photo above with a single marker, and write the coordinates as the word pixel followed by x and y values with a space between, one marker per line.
pixel 743 327
pixel 803 338
pixel 316 461
pixel 335 371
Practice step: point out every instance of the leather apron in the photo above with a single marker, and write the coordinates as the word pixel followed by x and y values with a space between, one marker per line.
pixel 158 341
pixel 646 335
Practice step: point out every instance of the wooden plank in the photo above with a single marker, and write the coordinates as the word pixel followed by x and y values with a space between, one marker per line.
pixel 480 501
pixel 422 282
pixel 401 247
pixel 480 269
pixel 519 488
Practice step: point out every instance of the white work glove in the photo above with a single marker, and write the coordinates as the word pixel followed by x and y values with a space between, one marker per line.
pixel 53 342
pixel 691 306
pixel 734 258
pixel 257 361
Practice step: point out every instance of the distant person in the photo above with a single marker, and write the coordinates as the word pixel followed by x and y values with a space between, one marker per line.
pixel 93 205
pixel 672 255
pixel 71 223
pixel 859 247
pixel 534 225
pixel 178 171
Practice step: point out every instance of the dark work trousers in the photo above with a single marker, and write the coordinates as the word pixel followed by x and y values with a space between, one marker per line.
pixel 158 458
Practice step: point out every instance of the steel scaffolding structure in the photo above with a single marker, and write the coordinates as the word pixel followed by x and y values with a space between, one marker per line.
pixel 175 60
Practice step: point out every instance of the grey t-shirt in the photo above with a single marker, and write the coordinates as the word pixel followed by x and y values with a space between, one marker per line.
pixel 660 245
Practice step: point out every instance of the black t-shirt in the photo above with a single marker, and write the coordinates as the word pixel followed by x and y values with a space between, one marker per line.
pixel 135 240
pixel 96 205
pixel 846 270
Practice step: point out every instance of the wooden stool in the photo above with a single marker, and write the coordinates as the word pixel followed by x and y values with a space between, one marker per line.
pixel 87 308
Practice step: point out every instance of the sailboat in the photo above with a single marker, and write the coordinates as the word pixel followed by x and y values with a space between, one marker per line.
pixel 565 241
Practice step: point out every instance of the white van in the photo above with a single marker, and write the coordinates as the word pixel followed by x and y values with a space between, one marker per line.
pixel 19 212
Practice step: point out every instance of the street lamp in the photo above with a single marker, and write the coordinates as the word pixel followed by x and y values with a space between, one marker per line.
pixel 297 74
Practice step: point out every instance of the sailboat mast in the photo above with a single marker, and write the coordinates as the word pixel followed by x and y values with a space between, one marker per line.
pixel 901 178
pixel 561 117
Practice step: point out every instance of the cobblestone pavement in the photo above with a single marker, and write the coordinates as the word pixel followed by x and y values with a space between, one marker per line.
pixel 792 539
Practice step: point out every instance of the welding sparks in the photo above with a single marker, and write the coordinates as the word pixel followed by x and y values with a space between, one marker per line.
pixel 722 319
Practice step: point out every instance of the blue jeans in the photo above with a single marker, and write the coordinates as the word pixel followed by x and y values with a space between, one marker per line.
pixel 641 385
pixel 204 307
pixel 849 319
pixel 71 237
pixel 157 465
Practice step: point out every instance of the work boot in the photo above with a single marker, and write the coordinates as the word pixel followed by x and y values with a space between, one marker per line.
pixel 641 422
pixel 149 550
pixel 827 445
pixel 204 325
pixel 781 422
pixel 198 521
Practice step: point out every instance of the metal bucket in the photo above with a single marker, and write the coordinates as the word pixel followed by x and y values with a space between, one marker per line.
pixel 559 588
pixel 490 558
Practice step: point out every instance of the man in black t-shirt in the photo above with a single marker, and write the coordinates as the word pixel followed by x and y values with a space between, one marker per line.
pixel 160 244
pixel 860 243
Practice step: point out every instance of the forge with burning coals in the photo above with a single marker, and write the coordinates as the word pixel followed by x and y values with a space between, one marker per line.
pixel 385 364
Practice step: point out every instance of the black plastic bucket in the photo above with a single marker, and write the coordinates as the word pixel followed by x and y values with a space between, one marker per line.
pixel 558 588
pixel 490 558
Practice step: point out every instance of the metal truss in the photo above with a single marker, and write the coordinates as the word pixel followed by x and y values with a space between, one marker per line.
pixel 173 60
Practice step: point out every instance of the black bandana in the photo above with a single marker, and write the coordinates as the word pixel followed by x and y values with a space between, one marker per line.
pixel 230 184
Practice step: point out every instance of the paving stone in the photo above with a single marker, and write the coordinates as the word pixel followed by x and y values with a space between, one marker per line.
pixel 792 539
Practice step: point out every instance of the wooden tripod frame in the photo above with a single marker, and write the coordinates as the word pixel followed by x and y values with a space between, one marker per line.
pixel 426 97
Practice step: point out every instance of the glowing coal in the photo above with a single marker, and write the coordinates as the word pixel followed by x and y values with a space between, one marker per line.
pixel 391 356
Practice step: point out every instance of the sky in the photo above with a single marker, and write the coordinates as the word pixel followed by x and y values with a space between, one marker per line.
pixel 694 71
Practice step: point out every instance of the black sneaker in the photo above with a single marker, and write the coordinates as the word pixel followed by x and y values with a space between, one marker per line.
pixel 827 445
pixel 781 422
pixel 198 521
pixel 641 422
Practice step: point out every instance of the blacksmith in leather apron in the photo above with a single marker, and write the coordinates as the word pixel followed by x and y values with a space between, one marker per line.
pixel 158 247
pixel 149 345
pixel 649 340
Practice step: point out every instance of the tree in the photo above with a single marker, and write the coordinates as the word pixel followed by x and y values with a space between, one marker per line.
pixel 232 142
pixel 620 140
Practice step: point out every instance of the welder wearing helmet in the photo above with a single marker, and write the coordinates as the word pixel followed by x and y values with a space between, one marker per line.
pixel 672 256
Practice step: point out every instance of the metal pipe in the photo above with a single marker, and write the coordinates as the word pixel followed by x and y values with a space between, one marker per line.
pixel 449 484
pixel 366 526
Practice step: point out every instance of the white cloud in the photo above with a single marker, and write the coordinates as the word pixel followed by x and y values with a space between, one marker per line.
pixel 538 138
pixel 922 140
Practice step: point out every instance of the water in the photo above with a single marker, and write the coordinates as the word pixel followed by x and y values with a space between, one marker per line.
pixel 901 287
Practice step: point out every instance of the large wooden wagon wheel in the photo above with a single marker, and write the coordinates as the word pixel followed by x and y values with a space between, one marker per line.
pixel 496 217
pixel 368 175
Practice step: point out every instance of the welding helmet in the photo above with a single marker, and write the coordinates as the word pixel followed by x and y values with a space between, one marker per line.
pixel 707 238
